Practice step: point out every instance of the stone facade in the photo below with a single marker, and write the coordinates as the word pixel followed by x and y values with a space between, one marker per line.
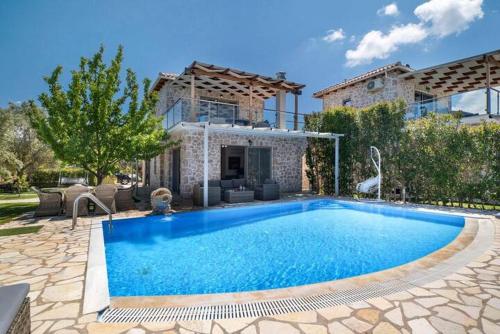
pixel 286 163
pixel 360 97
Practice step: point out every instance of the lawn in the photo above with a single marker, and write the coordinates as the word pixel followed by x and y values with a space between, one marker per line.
pixel 9 211
pixel 24 195
pixel 19 230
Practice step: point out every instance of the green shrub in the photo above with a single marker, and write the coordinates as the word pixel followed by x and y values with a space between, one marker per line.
pixel 46 178
pixel 434 158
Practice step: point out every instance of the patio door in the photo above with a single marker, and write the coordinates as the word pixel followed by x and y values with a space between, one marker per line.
pixel 259 165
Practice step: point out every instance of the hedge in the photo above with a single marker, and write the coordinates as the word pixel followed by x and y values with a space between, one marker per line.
pixel 433 158
pixel 47 178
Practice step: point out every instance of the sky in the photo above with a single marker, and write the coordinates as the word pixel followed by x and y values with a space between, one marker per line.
pixel 317 43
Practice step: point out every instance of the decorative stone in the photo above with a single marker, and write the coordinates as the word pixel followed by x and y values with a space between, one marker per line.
pixel 432 301
pixel 275 327
pixel 234 325
pixel 357 325
pixel 445 326
pixel 305 317
pixel 313 329
pixel 385 328
pixel 112 328
pixel 412 310
pixel 395 316
pixel 158 326
pixel 66 311
pixel 380 303
pixel 454 315
pixel 490 327
pixel 421 326
pixel 368 314
pixel 337 328
pixel 335 312
pixel 64 292
pixel 249 330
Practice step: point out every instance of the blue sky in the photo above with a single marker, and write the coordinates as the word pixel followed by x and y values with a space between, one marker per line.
pixel 317 43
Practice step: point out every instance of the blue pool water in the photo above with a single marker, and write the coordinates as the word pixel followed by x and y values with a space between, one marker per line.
pixel 266 246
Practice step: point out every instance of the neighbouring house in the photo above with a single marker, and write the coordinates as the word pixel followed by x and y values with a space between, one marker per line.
pixel 465 85
pixel 227 131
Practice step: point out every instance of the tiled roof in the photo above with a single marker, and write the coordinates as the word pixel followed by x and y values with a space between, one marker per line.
pixel 362 77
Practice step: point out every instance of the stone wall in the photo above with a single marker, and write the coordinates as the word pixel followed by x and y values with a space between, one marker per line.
pixel 393 89
pixel 286 158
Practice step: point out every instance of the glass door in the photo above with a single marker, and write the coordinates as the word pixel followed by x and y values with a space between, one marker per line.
pixel 259 165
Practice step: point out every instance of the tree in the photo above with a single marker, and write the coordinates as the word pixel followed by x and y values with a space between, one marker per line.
pixel 21 150
pixel 86 124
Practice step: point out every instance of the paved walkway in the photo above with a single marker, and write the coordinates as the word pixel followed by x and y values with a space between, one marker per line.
pixel 53 262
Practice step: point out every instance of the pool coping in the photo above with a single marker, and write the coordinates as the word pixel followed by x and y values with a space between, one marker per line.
pixel 472 240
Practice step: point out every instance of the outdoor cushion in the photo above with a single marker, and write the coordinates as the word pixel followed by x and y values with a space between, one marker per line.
pixel 213 183
pixel 238 182
pixel 11 299
pixel 226 183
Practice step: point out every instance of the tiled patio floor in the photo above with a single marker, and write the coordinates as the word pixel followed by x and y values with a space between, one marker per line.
pixel 53 262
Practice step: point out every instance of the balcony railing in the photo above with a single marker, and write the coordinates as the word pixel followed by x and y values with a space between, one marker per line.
pixel 470 104
pixel 198 110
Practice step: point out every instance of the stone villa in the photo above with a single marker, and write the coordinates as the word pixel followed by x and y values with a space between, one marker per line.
pixel 225 131
pixel 432 89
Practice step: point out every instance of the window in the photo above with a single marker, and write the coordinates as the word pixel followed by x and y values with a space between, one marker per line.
pixel 347 102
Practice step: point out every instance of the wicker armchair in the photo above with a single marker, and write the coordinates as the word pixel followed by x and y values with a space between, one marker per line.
pixel 269 190
pixel 50 203
pixel 214 193
pixel 70 196
pixel 124 199
pixel 106 194
pixel 15 309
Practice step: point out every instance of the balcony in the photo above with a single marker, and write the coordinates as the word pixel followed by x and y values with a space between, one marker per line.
pixel 472 103
pixel 198 110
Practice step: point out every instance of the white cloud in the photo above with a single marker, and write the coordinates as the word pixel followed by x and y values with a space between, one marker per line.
pixel 334 35
pixel 389 10
pixel 377 45
pixel 437 18
pixel 447 17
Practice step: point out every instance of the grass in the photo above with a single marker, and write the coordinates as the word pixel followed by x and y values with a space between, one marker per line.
pixel 24 195
pixel 9 211
pixel 19 230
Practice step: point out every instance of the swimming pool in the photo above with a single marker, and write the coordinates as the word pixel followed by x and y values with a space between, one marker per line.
pixel 266 246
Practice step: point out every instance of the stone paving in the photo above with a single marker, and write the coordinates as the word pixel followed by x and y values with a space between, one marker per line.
pixel 53 262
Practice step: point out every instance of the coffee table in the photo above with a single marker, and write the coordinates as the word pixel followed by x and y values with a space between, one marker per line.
pixel 238 196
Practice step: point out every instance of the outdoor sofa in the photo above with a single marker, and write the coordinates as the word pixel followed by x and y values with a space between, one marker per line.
pixel 15 309
pixel 268 191
pixel 106 194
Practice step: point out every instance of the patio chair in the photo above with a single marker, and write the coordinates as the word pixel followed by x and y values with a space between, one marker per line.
pixel 106 194
pixel 214 193
pixel 50 203
pixel 15 309
pixel 70 196
pixel 268 191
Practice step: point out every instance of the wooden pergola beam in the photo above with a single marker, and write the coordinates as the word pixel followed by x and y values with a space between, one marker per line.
pixel 251 82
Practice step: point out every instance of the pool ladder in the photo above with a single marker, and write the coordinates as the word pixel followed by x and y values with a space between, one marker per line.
pixel 93 199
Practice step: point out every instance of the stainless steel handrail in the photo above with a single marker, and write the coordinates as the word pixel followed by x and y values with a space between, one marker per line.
pixel 93 199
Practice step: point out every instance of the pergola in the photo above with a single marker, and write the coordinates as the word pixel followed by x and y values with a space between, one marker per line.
pixel 247 130
pixel 460 76
pixel 218 79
